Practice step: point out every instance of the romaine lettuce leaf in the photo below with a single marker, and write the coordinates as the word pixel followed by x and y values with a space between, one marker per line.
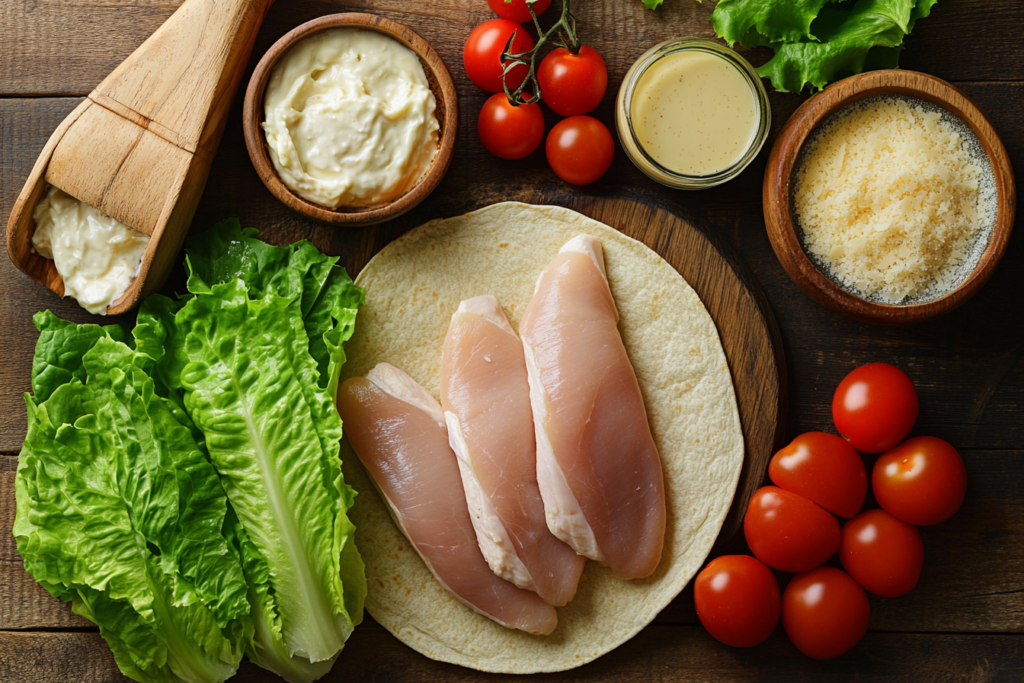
pixel 817 42
pixel 106 520
pixel 326 295
pixel 228 387
pixel 753 23
pixel 273 434
pixel 59 351
pixel 846 37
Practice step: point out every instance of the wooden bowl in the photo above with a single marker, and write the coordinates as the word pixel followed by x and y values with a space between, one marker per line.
pixel 441 85
pixel 778 210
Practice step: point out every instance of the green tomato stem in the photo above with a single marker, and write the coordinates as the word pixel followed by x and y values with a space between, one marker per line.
pixel 562 34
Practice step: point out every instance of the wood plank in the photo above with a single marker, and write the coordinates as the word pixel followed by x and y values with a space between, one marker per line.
pixel 660 653
pixel 68 47
pixel 971 579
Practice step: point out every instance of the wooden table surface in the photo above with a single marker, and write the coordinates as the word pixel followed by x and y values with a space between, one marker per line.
pixel 964 621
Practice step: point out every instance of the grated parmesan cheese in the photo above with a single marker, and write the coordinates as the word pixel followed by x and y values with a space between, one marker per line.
pixel 889 199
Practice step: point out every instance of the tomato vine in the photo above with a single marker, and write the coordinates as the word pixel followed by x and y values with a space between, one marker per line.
pixel 561 34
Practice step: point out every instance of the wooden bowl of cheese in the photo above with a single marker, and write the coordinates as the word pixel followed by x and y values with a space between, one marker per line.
pixel 889 197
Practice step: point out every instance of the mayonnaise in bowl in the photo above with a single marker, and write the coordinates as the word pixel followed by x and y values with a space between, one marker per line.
pixel 350 118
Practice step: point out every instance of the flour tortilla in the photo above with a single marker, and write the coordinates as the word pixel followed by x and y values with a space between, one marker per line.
pixel 412 288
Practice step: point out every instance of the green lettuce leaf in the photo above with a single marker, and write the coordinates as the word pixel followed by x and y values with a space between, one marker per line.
pixel 846 37
pixel 252 388
pixel 817 42
pixel 326 295
pixel 753 23
pixel 59 351
pixel 183 505
pixel 97 494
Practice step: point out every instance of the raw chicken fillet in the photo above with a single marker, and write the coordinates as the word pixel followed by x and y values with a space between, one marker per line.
pixel 486 397
pixel 397 429
pixel 597 466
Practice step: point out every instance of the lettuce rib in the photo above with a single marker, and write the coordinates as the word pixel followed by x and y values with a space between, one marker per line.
pixel 273 435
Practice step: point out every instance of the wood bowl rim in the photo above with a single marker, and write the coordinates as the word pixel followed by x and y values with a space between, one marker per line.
pixel 806 121
pixel 433 65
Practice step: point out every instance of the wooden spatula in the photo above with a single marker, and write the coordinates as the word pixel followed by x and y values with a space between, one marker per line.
pixel 139 147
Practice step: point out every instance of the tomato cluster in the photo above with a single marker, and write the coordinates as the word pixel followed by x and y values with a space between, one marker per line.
pixel 579 148
pixel 792 526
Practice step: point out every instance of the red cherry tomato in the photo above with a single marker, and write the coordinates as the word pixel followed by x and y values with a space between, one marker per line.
pixel 883 554
pixel 482 54
pixel 788 532
pixel 507 131
pixel 579 149
pixel 572 84
pixel 516 9
pixel 922 481
pixel 875 407
pixel 825 469
pixel 825 613
pixel 737 600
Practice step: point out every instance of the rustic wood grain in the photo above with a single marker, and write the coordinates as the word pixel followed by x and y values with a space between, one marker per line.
pixel 660 653
pixel 446 113
pixel 967 365
pixel 778 193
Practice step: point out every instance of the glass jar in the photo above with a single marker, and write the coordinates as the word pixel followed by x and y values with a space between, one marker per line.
pixel 631 141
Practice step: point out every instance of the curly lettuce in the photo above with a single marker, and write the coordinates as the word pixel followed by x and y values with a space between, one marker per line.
pixel 817 42
pixel 181 485
pixel 120 513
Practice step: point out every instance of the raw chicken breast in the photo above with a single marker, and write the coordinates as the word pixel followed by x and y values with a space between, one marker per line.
pixel 597 465
pixel 397 429
pixel 486 399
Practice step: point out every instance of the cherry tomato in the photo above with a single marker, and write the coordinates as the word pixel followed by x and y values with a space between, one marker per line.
pixel 737 600
pixel 516 9
pixel 482 54
pixel 507 131
pixel 572 84
pixel 875 407
pixel 883 554
pixel 825 613
pixel 922 481
pixel 579 149
pixel 788 532
pixel 825 469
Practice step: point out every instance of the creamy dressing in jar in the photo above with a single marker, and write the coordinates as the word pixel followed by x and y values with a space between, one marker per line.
pixel 694 113
pixel 97 256
pixel 349 118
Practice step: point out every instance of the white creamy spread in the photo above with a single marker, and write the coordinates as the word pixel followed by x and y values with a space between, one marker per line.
pixel 350 118
pixel 96 255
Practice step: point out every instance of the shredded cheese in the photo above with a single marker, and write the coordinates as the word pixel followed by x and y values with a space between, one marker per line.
pixel 890 200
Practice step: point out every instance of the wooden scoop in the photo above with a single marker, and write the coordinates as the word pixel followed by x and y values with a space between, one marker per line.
pixel 139 147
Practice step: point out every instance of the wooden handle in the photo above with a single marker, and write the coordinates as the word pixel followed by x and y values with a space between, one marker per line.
pixel 159 113
pixel 179 84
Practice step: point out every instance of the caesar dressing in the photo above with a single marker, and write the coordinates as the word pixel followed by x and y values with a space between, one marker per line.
pixel 96 255
pixel 350 118
pixel 694 113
